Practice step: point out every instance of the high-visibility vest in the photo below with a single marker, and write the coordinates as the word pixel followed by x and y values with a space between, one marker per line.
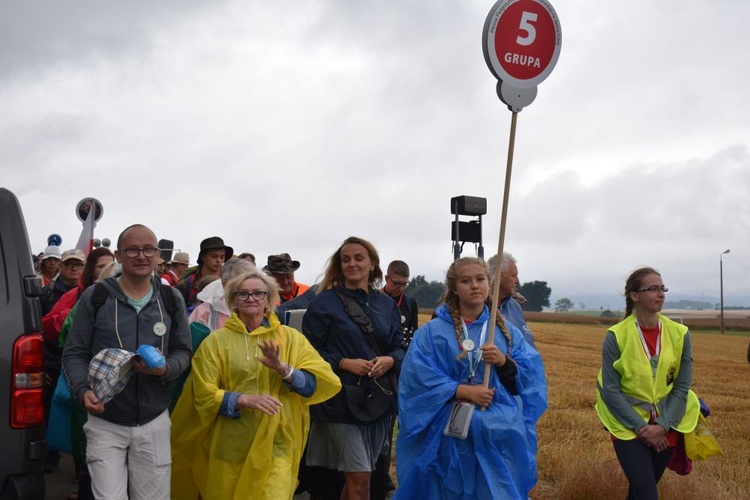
pixel 641 388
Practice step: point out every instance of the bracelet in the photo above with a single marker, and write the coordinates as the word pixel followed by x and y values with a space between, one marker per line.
pixel 289 372
pixel 341 363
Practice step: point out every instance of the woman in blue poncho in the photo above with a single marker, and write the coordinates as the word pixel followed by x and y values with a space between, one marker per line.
pixel 445 363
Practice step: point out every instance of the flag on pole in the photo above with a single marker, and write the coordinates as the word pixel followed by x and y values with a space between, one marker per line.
pixel 86 240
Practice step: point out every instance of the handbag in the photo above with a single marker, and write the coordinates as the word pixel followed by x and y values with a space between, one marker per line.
pixel 368 399
pixel 58 427
pixel 700 443
pixel 459 420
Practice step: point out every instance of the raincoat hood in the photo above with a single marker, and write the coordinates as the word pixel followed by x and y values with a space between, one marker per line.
pixel 213 292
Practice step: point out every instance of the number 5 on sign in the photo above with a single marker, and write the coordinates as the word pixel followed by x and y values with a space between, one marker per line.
pixel 521 41
pixel 526 19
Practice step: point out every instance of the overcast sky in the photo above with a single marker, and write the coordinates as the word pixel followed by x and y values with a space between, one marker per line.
pixel 288 126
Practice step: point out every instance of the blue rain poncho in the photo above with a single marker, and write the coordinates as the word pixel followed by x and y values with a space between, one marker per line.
pixel 498 457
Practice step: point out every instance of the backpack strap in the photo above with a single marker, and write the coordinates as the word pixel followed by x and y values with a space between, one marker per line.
pixel 168 297
pixel 49 293
pixel 99 297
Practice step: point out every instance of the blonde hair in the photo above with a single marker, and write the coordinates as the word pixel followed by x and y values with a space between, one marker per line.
pixel 453 303
pixel 235 283
pixel 109 270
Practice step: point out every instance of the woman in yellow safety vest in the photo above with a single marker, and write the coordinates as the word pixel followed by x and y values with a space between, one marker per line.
pixel 643 389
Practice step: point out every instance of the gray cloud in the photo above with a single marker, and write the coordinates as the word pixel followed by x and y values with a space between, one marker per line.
pixel 287 127
pixel 35 35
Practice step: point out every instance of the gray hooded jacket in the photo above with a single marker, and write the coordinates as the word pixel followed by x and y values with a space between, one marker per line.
pixel 144 397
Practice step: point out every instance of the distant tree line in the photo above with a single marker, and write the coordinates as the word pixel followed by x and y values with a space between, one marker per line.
pixel 695 305
pixel 699 305
pixel 428 293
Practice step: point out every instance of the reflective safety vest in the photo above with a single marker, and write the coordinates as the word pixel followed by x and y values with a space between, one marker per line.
pixel 641 388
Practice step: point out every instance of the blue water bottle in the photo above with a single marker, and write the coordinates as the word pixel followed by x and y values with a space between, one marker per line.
pixel 150 356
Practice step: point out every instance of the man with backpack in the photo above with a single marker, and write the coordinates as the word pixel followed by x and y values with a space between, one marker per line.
pixel 72 262
pixel 128 453
pixel 70 271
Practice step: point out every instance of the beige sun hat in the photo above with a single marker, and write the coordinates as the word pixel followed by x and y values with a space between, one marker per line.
pixel 181 258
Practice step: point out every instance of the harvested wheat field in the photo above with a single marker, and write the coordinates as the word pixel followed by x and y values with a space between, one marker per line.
pixel 576 459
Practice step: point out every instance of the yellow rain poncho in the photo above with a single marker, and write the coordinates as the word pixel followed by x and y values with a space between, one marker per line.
pixel 257 455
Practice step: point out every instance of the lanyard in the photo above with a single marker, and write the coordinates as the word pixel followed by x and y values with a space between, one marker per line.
pixel 653 360
pixel 472 350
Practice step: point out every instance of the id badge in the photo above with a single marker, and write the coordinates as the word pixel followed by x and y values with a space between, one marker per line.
pixel 459 420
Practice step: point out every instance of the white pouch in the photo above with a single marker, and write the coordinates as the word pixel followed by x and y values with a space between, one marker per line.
pixel 459 420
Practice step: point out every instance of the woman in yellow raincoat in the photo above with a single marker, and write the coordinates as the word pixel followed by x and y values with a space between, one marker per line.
pixel 241 424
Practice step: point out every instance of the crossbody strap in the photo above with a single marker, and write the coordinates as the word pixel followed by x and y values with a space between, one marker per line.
pixel 358 315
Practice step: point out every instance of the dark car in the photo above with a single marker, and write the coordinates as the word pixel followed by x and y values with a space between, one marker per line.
pixel 22 438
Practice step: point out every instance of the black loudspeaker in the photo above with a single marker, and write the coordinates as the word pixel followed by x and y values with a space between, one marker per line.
pixel 468 205
pixel 467 231
pixel 166 247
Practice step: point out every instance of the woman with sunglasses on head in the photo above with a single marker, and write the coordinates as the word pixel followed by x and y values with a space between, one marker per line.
pixel 643 389
pixel 342 438
pixel 241 423
pixel 458 439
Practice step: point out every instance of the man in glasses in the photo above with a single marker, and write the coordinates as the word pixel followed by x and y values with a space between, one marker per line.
pixel 396 281
pixel 71 265
pixel 128 450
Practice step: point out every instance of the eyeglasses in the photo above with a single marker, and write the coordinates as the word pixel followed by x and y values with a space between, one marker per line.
pixel 73 265
pixel 245 296
pixel 654 288
pixel 133 252
pixel 399 284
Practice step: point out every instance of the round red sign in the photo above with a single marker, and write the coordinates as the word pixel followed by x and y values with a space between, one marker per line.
pixel 521 41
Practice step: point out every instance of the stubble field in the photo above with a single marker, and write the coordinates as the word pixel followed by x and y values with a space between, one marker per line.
pixel 576 459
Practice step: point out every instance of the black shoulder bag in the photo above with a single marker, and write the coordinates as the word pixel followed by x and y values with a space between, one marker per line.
pixel 370 398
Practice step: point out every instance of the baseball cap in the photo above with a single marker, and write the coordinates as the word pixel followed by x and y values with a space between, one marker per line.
pixel 73 253
pixel 52 251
